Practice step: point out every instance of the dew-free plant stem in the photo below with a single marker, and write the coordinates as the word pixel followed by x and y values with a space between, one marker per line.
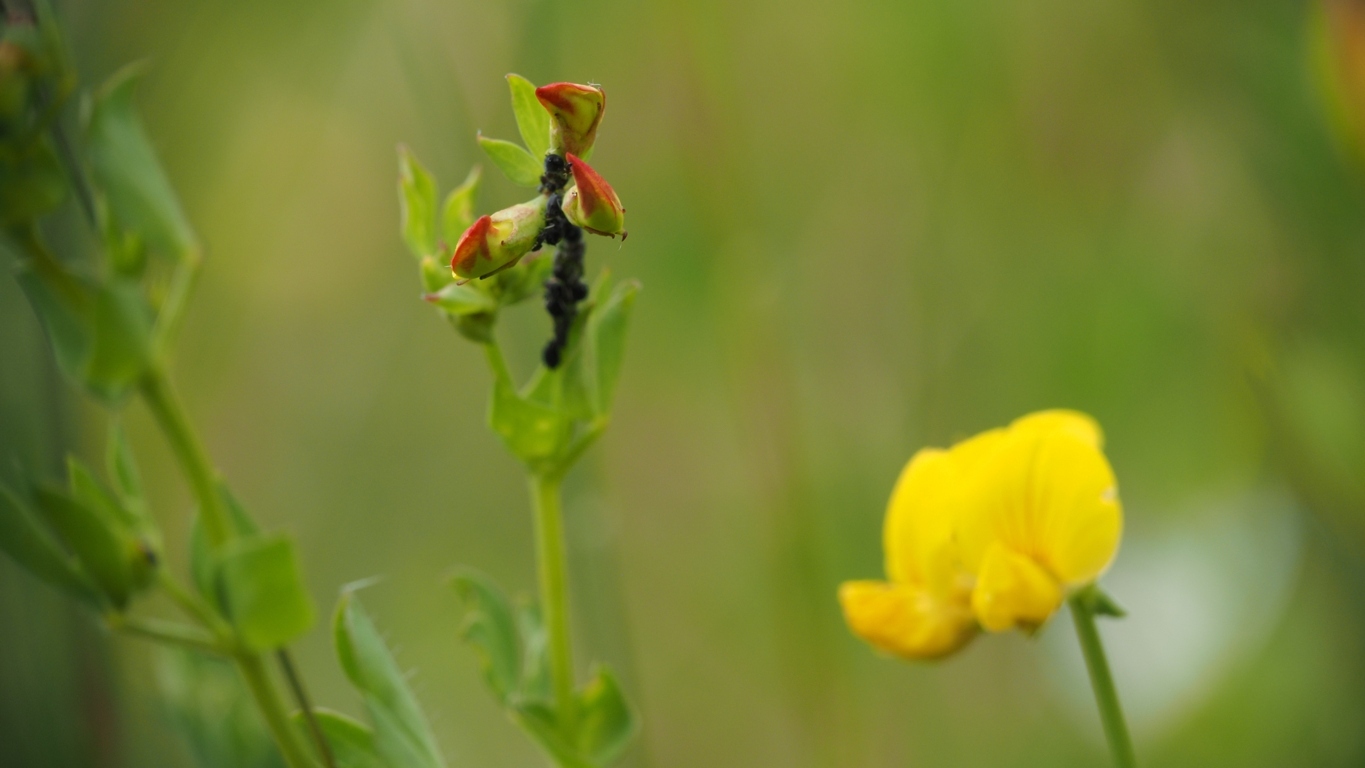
pixel 554 598
pixel 1102 681
pixel 189 451
pixel 273 710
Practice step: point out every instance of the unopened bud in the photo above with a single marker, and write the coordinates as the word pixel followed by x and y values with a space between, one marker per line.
pixel 498 241
pixel 592 204
pixel 575 112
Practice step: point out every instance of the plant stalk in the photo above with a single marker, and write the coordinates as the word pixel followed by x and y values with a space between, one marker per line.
pixel 194 461
pixel 554 598
pixel 1102 681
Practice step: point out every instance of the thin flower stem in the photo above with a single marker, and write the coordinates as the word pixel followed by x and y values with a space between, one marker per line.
pixel 193 605
pixel 301 698
pixel 1106 695
pixel 554 599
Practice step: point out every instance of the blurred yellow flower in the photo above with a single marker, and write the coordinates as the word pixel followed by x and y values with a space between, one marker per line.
pixel 993 532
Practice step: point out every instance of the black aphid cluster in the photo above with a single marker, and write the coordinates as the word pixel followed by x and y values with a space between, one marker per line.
pixel 565 287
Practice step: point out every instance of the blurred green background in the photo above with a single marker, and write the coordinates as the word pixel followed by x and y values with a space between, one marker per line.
pixel 862 227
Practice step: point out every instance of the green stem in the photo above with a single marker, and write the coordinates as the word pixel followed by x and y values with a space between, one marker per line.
pixel 193 605
pixel 291 676
pixel 554 598
pixel 496 361
pixel 189 451
pixel 272 709
pixel 169 632
pixel 1106 695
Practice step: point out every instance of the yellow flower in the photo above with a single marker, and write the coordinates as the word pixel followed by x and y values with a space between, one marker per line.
pixel 994 532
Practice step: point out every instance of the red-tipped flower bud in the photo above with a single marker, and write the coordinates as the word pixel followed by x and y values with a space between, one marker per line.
pixel 575 112
pixel 592 204
pixel 498 241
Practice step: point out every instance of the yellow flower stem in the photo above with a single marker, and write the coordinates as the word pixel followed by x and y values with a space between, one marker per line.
pixel 170 415
pixel 554 598
pixel 1106 695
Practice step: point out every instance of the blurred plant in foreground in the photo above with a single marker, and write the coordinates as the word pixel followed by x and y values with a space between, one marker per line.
pixel 551 419
pixel 111 312
pixel 994 533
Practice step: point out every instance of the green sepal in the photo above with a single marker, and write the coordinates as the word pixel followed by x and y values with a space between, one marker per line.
pixel 457 213
pixel 1099 603
pixel 140 543
pixel 104 554
pixel 402 736
pixel 533 120
pixel 514 161
pixel 490 627
pixel 351 741
pixel 125 167
pixel 263 590
pixel 26 539
pixel 417 196
pixel 455 299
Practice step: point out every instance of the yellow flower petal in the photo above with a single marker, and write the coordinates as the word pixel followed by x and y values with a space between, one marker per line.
pixel 1079 424
pixel 921 517
pixel 1049 494
pixel 906 620
pixel 1013 591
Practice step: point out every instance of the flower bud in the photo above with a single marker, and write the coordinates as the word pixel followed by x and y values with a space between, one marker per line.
pixel 498 241
pixel 592 204
pixel 575 112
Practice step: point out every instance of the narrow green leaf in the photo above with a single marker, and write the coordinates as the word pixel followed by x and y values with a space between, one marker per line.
pixel 402 735
pixel 417 194
pixel 121 467
pixel 266 599
pixel 533 120
pixel 460 300
pixel 25 539
pixel 607 335
pixel 532 431
pixel 535 659
pixel 540 723
pixel 104 554
pixel 605 722
pixel 490 627
pixel 126 168
pixel 64 305
pixel 352 741
pixel 518 164
pixel 457 213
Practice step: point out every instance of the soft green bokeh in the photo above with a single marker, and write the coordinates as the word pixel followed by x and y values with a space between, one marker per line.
pixel 861 228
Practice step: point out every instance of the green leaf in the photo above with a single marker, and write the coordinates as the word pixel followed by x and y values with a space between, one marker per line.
pixel 518 164
pixel 533 120
pixel 540 723
pixel 490 627
pixel 24 538
pixel 1098 602
pixel 352 741
pixel 460 300
pixel 122 469
pixel 417 194
pixel 139 545
pixel 607 337
pixel 100 333
pixel 104 554
pixel 402 736
pixel 126 169
pixel 532 431
pixel 605 721
pixel 457 213
pixel 263 588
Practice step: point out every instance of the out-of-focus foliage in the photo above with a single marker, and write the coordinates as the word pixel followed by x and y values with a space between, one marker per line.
pixel 865 227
